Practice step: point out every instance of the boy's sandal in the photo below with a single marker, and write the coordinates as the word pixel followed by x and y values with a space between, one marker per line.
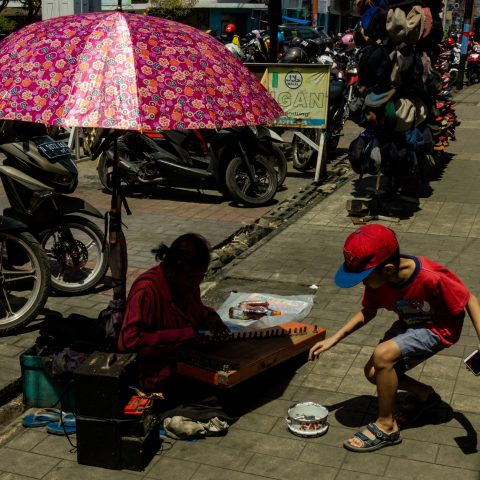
pixel 380 440
pixel 413 408
pixel 42 417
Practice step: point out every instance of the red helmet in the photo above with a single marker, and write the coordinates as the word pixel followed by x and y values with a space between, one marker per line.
pixel 230 28
pixel 450 41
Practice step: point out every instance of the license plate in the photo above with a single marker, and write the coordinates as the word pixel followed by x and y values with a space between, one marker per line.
pixel 54 150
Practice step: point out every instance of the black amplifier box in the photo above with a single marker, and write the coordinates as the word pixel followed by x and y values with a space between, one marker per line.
pixel 137 452
pixel 102 384
pixel 117 444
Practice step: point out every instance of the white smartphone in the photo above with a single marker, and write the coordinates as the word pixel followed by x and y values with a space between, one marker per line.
pixel 473 362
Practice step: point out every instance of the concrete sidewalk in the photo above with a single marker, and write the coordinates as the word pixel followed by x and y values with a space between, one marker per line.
pixel 444 224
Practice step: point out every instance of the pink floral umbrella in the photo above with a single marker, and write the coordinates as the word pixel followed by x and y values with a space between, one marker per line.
pixel 126 71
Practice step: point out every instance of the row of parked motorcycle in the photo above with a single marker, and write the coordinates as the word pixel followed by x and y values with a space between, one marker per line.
pixel 452 45
pixel 49 239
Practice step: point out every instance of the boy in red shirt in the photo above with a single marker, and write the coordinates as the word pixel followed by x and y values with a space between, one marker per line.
pixel 430 302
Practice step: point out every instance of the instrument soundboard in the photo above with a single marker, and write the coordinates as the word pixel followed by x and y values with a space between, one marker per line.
pixel 244 355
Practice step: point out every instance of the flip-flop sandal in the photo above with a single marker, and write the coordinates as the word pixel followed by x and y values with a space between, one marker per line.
pixel 66 427
pixel 413 408
pixel 380 440
pixel 41 418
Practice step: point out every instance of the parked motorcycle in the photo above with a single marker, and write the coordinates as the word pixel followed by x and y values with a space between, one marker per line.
pixel 36 174
pixel 24 276
pixel 243 162
pixel 473 64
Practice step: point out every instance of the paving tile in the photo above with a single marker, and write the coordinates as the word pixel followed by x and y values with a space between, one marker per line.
pixel 467 403
pixel 27 439
pixel 347 475
pixel 451 456
pixel 255 422
pixel 232 454
pixel 287 469
pixel 253 442
pixel 172 469
pixel 420 450
pixel 25 463
pixel 322 381
pixel 73 471
pixel 207 472
pixel 373 463
pixel 325 455
pixel 13 476
pixel 398 467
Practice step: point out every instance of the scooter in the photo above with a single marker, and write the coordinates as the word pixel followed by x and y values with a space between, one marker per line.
pixel 36 174
pixel 242 163
pixel 24 276
pixel 473 64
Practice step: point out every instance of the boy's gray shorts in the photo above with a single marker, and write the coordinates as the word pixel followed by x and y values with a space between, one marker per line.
pixel 416 344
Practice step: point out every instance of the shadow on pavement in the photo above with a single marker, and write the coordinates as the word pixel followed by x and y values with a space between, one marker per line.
pixel 397 197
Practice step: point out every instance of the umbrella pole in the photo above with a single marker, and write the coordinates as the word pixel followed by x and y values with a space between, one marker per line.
pixel 116 237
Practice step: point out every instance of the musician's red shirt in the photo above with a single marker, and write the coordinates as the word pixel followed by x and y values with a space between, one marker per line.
pixel 154 326
pixel 433 297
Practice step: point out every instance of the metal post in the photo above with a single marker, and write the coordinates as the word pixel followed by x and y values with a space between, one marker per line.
pixel 467 21
pixel 314 13
pixel 274 18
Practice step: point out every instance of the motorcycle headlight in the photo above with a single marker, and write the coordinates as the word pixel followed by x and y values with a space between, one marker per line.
pixel 64 183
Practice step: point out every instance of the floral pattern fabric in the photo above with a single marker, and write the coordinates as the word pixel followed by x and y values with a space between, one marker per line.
pixel 126 71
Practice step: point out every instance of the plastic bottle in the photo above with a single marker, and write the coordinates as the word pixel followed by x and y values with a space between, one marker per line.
pixel 252 313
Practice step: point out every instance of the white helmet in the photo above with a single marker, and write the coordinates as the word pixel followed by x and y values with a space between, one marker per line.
pixel 235 50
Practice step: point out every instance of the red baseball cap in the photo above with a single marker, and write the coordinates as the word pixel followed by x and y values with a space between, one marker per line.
pixel 364 249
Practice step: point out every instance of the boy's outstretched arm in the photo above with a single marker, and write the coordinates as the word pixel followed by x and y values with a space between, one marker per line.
pixel 473 310
pixel 357 321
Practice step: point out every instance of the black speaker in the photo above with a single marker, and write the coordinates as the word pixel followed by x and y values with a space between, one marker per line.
pixel 115 444
pixel 137 452
pixel 102 384
pixel 99 442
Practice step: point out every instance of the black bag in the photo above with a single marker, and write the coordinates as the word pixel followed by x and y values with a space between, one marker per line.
pixel 360 154
pixel 398 158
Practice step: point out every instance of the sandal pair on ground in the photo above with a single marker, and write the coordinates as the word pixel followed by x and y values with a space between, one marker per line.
pixel 55 421
pixel 409 412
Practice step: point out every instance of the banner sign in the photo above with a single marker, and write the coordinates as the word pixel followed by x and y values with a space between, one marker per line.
pixel 301 91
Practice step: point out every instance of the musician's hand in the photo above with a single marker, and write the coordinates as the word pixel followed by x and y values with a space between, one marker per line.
pixel 320 347
pixel 215 324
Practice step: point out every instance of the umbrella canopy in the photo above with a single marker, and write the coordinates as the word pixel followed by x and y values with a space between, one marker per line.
pixel 126 71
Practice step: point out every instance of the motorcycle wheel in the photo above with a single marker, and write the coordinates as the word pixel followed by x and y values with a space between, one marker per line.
pixel 333 139
pixel 104 168
pixel 243 190
pixel 303 155
pixel 93 262
pixel 279 163
pixel 25 280
pixel 453 78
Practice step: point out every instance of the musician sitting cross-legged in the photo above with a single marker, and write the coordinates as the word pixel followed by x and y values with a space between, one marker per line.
pixel 164 308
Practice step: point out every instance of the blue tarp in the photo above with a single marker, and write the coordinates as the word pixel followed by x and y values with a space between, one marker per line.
pixel 296 20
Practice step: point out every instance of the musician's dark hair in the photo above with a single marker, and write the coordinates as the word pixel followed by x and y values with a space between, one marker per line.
pixel 186 252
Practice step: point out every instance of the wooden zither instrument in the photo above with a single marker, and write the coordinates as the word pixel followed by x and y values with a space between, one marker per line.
pixel 243 355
